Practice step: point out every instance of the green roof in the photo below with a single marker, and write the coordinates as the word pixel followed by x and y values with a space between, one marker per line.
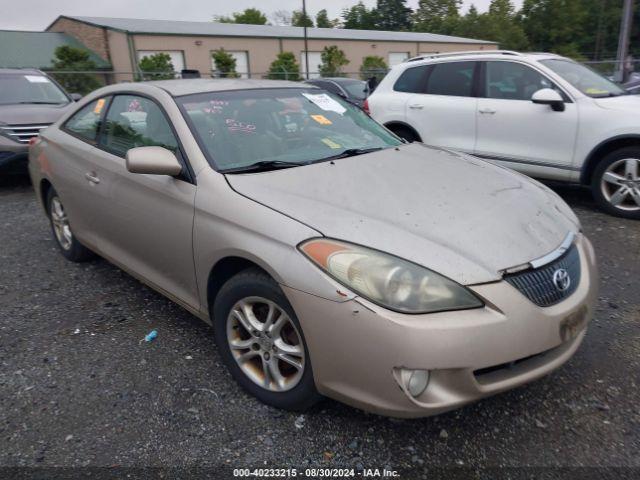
pixel 20 49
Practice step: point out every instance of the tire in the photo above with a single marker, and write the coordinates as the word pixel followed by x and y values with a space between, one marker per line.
pixel 405 133
pixel 67 243
pixel 254 291
pixel 617 179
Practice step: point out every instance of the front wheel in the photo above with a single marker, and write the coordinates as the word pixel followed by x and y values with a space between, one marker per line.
pixel 261 342
pixel 616 183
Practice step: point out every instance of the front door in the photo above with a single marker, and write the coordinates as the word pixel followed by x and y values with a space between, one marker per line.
pixel 518 133
pixel 145 221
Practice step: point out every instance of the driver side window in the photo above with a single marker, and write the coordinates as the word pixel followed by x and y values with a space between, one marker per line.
pixel 513 81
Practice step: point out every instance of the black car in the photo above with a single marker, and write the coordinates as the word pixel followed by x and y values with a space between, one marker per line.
pixel 352 90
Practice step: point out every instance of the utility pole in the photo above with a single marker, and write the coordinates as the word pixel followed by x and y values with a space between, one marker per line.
pixel 623 40
pixel 306 49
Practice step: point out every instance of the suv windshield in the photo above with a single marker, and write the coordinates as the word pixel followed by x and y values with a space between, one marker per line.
pixel 17 88
pixel 584 79
pixel 295 126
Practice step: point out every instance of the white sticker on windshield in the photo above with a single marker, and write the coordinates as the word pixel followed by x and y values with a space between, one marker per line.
pixel 325 102
pixel 37 79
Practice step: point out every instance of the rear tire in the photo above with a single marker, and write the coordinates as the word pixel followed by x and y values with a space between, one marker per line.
pixel 405 133
pixel 255 328
pixel 68 244
pixel 615 184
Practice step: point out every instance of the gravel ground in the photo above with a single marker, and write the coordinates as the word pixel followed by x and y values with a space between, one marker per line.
pixel 77 388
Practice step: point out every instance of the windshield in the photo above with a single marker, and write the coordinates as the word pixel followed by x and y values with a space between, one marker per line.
pixel 584 79
pixel 29 88
pixel 356 89
pixel 294 125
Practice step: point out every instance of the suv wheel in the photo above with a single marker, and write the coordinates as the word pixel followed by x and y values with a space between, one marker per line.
pixel 70 247
pixel 616 183
pixel 261 342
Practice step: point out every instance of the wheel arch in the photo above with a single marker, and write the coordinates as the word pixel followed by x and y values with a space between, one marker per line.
pixel 224 269
pixel 392 125
pixel 601 150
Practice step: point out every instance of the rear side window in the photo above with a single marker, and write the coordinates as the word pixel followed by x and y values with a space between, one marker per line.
pixel 412 80
pixel 513 81
pixel 86 122
pixel 134 121
pixel 453 78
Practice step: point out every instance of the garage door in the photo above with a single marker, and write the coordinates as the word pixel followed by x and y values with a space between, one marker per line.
pixel 177 57
pixel 315 60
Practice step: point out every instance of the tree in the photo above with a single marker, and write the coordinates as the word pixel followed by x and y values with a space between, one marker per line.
pixel 281 17
pixel 359 17
pixel 373 66
pixel 393 15
pixel 473 25
pixel 156 67
pixel 225 63
pixel 75 59
pixel 333 59
pixel 251 16
pixel 284 67
pixel 300 19
pixel 437 16
pixel 322 20
pixel 504 27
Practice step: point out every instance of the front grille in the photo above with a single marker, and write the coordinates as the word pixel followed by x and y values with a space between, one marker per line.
pixel 23 133
pixel 538 284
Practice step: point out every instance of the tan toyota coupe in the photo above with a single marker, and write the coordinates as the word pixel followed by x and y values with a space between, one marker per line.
pixel 330 257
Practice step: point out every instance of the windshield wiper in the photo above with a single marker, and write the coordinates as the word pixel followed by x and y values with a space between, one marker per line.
pixel 349 152
pixel 39 103
pixel 263 166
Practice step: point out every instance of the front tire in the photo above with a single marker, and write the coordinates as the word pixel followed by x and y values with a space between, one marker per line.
pixel 261 341
pixel 616 183
pixel 68 244
pixel 405 133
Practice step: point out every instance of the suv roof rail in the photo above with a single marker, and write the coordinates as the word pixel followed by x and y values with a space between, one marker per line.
pixel 470 52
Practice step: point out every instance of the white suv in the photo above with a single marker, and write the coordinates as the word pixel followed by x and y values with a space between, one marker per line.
pixel 541 114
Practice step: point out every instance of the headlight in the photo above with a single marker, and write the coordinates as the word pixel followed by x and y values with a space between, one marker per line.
pixel 389 281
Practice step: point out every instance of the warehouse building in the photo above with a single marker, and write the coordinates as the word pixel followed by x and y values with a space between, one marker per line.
pixel 122 42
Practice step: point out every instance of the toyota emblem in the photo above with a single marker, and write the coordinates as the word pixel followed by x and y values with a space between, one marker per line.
pixel 561 279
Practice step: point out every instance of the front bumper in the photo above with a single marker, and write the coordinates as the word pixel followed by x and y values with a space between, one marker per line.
pixel 13 154
pixel 357 348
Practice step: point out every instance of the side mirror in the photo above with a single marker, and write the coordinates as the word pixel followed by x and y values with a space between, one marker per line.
pixel 548 96
pixel 75 97
pixel 153 161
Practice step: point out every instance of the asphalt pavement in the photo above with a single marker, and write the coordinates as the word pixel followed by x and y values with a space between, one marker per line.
pixel 78 388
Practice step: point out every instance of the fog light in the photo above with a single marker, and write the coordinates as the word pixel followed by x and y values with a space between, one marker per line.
pixel 418 381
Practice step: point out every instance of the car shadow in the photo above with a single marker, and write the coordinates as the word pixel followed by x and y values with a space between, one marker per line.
pixel 13 181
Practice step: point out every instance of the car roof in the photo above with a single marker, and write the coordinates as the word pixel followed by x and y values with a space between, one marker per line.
pixel 23 71
pixel 201 85
pixel 481 54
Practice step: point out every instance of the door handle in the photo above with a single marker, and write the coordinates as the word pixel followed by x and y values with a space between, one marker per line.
pixel 487 111
pixel 416 106
pixel 92 177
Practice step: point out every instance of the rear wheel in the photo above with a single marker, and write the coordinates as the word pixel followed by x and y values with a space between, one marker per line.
pixel 405 133
pixel 261 341
pixel 616 183
pixel 70 247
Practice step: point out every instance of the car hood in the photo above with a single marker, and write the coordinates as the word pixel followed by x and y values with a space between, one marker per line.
pixel 31 114
pixel 458 215
pixel 627 103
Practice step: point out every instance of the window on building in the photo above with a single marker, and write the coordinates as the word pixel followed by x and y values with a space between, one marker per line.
pixel 396 58
pixel 315 59
pixel 134 121
pixel 242 62
pixel 177 57
pixel 452 78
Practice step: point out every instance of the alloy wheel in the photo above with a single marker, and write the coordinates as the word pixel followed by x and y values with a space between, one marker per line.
pixel 620 184
pixel 61 226
pixel 266 344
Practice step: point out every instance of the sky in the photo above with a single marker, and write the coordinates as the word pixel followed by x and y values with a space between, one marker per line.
pixel 37 14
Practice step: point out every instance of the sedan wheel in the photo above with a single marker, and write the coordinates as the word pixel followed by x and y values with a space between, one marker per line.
pixel 261 341
pixel 266 344
pixel 70 247
pixel 621 184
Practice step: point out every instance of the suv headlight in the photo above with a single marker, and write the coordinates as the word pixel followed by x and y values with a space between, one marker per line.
pixel 387 280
